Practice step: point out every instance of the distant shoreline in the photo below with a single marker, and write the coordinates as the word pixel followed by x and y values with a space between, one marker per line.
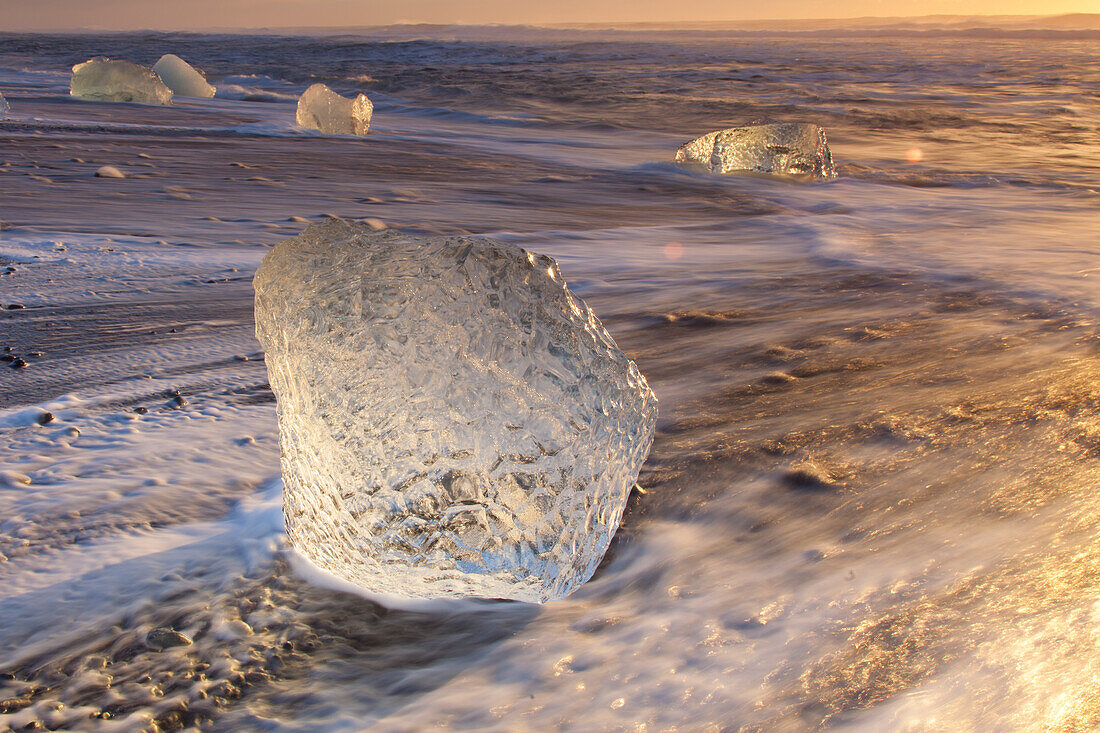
pixel 1085 25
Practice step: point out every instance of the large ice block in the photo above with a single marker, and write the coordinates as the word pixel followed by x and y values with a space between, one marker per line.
pixel 454 420
pixel 102 80
pixel 182 78
pixel 791 148
pixel 322 109
pixel 4 108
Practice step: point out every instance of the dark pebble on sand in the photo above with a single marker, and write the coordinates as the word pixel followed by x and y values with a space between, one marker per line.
pixel 18 364
pixel 177 401
pixel 15 306
pixel 164 638
pixel 45 417
pixel 141 410
pixel 809 477
pixel 748 625
pixel 7 357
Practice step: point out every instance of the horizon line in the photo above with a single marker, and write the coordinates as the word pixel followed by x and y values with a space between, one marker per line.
pixel 732 24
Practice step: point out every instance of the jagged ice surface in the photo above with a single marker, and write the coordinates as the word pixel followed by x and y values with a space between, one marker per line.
pixel 102 80
pixel 791 148
pixel 182 78
pixel 454 420
pixel 322 109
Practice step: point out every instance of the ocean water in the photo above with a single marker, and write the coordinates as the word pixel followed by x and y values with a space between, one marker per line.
pixel 871 502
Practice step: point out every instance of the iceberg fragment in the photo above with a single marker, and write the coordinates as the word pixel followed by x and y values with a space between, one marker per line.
pixel 322 109
pixel 790 148
pixel 102 80
pixel 4 107
pixel 182 78
pixel 454 421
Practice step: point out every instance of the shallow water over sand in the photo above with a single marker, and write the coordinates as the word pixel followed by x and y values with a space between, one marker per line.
pixel 871 499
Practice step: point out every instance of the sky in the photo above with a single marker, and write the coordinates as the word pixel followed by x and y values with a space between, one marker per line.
pixel 202 14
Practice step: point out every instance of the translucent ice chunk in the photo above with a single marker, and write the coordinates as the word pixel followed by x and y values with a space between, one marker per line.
pixel 322 109
pixel 182 78
pixel 790 148
pixel 454 420
pixel 103 80
pixel 4 108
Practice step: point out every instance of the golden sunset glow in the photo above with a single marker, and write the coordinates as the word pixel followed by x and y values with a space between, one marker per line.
pixel 205 14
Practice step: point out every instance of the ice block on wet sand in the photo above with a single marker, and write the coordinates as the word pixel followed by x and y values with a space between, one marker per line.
pixel 790 148
pixel 454 421
pixel 4 108
pixel 182 78
pixel 102 80
pixel 320 108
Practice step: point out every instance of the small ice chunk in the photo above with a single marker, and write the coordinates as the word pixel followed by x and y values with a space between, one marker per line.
pixel 183 78
pixel 102 80
pixel 322 109
pixel 454 420
pixel 5 109
pixel 109 171
pixel 791 148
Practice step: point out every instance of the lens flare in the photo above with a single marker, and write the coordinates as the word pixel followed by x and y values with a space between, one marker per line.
pixel 674 251
pixel 914 155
